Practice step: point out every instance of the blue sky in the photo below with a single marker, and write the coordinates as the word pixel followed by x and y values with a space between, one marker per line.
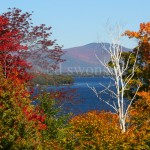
pixel 79 22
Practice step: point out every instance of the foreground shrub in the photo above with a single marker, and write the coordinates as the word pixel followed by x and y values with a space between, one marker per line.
pixel 94 130
pixel 19 126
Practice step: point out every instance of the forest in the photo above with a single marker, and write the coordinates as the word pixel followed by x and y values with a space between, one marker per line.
pixel 46 126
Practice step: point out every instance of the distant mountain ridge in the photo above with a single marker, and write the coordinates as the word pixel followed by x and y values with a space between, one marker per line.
pixel 82 58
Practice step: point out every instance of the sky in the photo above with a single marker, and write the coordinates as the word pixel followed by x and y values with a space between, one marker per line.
pixel 80 22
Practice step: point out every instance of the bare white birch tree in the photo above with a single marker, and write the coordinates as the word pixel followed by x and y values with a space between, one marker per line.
pixel 117 72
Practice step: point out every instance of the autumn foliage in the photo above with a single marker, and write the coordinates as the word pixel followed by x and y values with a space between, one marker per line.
pixel 10 44
pixel 21 124
pixel 16 131
pixel 94 130
pixel 143 59
pixel 45 125
pixel 100 130
pixel 139 113
pixel 43 52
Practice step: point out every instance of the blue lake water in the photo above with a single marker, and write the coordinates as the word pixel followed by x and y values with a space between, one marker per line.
pixel 90 100
pixel 86 99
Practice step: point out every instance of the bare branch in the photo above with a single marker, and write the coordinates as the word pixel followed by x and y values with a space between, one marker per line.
pixel 108 88
pixel 105 65
pixel 131 101
pixel 95 91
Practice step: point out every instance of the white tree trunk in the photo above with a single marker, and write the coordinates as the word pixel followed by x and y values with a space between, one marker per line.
pixel 116 73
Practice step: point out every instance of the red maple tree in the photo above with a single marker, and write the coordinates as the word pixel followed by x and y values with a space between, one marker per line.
pixel 44 53
pixel 10 44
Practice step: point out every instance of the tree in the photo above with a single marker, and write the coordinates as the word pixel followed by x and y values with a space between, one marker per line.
pixel 117 69
pixel 143 59
pixel 138 134
pixel 140 110
pixel 20 124
pixel 94 130
pixel 13 94
pixel 9 45
pixel 44 53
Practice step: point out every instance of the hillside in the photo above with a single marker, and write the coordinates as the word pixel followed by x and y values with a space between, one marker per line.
pixel 83 59
pixel 79 59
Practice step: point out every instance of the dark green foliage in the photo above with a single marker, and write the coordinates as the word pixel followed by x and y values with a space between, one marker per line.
pixel 46 79
pixel 56 119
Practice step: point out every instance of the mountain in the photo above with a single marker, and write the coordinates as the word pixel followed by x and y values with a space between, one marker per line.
pixel 83 58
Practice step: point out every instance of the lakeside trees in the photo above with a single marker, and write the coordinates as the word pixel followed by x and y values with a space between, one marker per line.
pixel 23 125
pixel 47 79
pixel 19 125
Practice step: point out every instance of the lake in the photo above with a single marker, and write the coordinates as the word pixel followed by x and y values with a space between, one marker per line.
pixel 84 98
